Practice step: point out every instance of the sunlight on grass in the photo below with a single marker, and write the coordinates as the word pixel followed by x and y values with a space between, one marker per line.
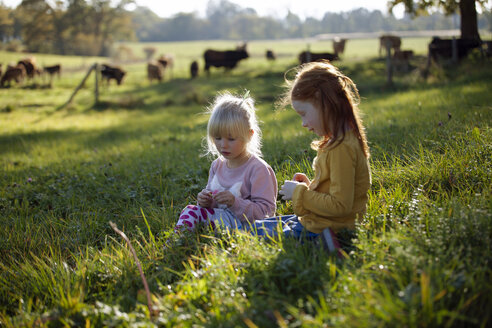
pixel 418 259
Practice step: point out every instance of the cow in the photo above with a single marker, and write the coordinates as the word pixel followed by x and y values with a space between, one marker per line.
pixel 29 66
pixel 0 69
pixel 401 59
pixel 443 48
pixel 194 69
pixel 53 70
pixel 339 45
pixel 270 55
pixel 167 62
pixel 109 72
pixel 227 59
pixel 388 40
pixel 15 73
pixel 307 56
pixel 154 72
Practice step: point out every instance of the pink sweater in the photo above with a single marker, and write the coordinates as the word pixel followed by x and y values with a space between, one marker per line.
pixel 253 184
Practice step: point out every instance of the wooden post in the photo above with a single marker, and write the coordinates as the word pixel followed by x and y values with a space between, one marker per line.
pixel 79 86
pixel 96 85
pixel 389 64
pixel 454 45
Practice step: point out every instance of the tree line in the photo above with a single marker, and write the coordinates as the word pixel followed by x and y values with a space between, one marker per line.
pixel 90 27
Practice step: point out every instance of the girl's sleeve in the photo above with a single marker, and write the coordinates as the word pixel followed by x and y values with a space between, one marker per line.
pixel 262 203
pixel 340 197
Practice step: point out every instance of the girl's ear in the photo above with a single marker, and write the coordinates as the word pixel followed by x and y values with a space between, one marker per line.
pixel 251 133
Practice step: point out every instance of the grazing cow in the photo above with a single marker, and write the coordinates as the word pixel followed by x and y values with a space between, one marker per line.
pixel 401 59
pixel 154 72
pixel 29 66
pixel 0 70
pixel 339 45
pixel 306 56
pixel 388 40
pixel 227 59
pixel 53 70
pixel 15 73
pixel 443 48
pixel 110 72
pixel 270 55
pixel 167 62
pixel 194 69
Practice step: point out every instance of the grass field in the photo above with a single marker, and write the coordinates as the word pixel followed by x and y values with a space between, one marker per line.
pixel 420 258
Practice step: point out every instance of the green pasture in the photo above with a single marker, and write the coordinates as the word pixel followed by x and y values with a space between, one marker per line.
pixel 420 258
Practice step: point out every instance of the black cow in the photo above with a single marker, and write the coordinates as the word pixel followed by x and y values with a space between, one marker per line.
pixel 227 59
pixel 306 56
pixel 110 72
pixel 270 55
pixel 443 48
pixel 53 70
pixel 194 69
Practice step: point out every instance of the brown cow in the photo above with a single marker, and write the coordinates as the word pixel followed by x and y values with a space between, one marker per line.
pixel 307 56
pixel 270 55
pixel 15 73
pixel 401 59
pixel 388 40
pixel 29 66
pixel 0 69
pixel 339 45
pixel 194 69
pixel 154 72
pixel 110 72
pixel 167 62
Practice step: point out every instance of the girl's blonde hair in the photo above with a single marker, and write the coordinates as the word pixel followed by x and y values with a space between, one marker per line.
pixel 233 116
pixel 336 95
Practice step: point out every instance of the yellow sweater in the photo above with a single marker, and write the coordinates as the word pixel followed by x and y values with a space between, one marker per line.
pixel 338 193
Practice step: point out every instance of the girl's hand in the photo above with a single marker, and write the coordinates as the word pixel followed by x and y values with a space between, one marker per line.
pixel 224 197
pixel 204 198
pixel 288 189
pixel 301 177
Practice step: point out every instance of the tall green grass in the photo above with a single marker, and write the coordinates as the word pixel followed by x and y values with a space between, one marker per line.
pixel 420 258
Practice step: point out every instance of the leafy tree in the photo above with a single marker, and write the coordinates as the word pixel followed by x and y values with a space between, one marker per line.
pixel 109 23
pixel 37 26
pixel 466 8
pixel 6 23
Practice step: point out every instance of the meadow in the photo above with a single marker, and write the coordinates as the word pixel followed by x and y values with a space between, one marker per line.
pixel 421 257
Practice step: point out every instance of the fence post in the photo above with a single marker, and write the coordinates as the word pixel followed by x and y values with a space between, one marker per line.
pixel 96 85
pixel 80 85
pixel 454 45
pixel 389 64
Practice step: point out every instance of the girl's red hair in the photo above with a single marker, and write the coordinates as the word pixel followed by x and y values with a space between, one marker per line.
pixel 336 95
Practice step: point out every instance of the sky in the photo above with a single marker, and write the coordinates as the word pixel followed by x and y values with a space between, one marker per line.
pixel 274 8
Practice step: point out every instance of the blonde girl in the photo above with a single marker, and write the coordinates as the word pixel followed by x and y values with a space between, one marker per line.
pixel 241 186
pixel 327 102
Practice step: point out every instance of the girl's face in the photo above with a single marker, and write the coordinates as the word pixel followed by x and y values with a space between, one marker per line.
pixel 311 117
pixel 232 148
